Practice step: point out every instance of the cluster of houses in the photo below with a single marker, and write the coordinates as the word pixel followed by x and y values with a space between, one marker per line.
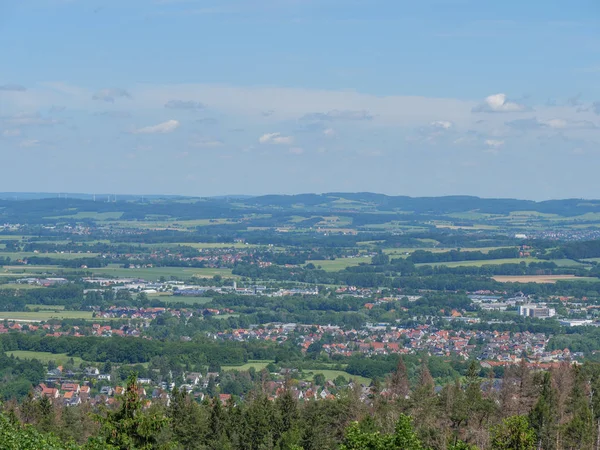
pixel 384 339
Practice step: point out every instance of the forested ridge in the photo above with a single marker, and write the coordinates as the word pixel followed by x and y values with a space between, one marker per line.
pixel 555 409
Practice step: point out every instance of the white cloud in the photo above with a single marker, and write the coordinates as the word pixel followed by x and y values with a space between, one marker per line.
pixel 111 94
pixel 446 125
pixel 500 104
pixel 11 133
pixel 29 143
pixel 189 105
pixel 329 132
pixel 275 138
pixel 166 127
pixel 296 150
pixel 494 144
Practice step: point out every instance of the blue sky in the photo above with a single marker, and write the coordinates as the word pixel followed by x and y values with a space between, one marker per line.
pixel 200 97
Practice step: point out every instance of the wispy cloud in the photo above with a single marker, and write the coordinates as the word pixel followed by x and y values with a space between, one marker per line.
pixel 162 128
pixel 337 114
pixel 114 114
pixel 498 103
pixel 111 94
pixel 555 124
pixel 494 144
pixel 275 138
pixel 207 143
pixel 27 143
pixel 30 119
pixel 11 133
pixel 12 87
pixel 189 105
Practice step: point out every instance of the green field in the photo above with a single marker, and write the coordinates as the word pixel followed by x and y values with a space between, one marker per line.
pixel 114 270
pixel 154 273
pixel 340 263
pixel 333 374
pixel 20 286
pixel 44 357
pixel 45 307
pixel 182 299
pixel 111 215
pixel 483 262
pixel 256 364
pixel 45 315
pixel 22 255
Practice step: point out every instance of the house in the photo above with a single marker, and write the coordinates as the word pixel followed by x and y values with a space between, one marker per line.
pixel 104 376
pixel 70 387
pixel 193 378
pixel 224 398
pixel 92 372
pixel 107 390
pixel 45 391
pixel 71 399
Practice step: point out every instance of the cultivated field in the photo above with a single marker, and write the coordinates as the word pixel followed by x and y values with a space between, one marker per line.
pixel 539 278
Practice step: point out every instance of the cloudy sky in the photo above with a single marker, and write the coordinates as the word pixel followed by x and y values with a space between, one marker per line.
pixel 213 97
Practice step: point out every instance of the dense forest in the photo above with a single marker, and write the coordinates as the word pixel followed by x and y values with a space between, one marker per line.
pixel 525 410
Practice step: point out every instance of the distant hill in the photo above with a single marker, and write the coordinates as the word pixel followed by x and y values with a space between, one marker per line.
pixel 362 207
pixel 426 205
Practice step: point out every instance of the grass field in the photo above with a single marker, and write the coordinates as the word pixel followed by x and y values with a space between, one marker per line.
pixel 541 278
pixel 333 374
pixel 22 255
pixel 114 270
pixel 340 263
pixel 257 364
pixel 19 286
pixel 182 299
pixel 44 357
pixel 45 307
pixel 36 316
pixel 111 215
pixel 154 273
pixel 395 252
pixel 480 263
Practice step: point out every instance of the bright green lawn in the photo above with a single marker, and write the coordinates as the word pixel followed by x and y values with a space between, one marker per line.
pixel 44 357
pixel 20 286
pixel 182 299
pixel 111 215
pixel 257 364
pixel 45 315
pixel 333 374
pixel 340 263
pixel 480 263
pixel 21 255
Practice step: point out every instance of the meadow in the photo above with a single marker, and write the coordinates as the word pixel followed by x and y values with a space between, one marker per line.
pixel 541 278
pixel 39 316
pixel 44 357
pixel 340 263
pixel 333 374
pixel 256 364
